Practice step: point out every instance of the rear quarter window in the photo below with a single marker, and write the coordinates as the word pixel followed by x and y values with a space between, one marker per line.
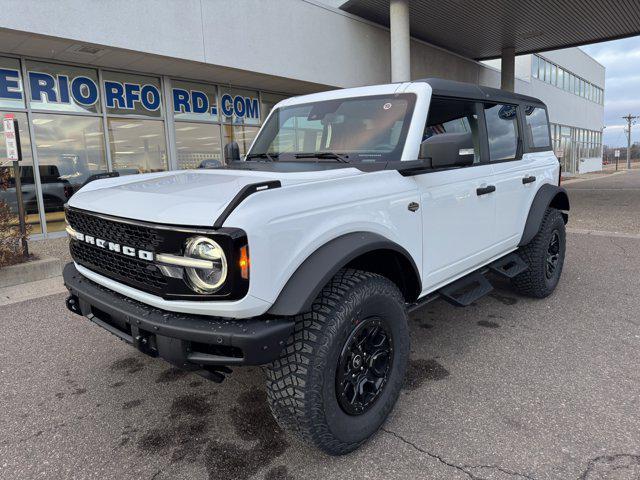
pixel 537 127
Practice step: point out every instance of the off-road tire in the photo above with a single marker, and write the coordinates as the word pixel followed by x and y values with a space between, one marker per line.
pixel 301 385
pixel 534 282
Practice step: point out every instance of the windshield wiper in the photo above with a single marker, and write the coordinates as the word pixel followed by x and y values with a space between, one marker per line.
pixel 323 155
pixel 268 156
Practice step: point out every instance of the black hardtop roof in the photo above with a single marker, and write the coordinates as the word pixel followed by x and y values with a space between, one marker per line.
pixel 451 88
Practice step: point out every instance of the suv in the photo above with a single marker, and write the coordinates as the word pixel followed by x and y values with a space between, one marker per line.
pixel 351 208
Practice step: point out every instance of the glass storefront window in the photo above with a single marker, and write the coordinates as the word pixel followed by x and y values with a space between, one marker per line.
pixel 240 107
pixel 11 88
pixel 541 69
pixel 269 101
pixel 242 134
pixel 196 143
pixel 63 88
pixel 137 146
pixel 27 179
pixel 70 149
pixel 129 94
pixel 560 77
pixel 194 101
pixel 534 66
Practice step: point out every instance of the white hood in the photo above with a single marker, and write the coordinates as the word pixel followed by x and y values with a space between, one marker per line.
pixel 188 197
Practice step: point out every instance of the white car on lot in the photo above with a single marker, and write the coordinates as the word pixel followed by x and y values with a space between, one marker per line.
pixel 351 208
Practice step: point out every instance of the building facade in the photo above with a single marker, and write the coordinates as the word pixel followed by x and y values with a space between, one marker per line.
pixel 168 87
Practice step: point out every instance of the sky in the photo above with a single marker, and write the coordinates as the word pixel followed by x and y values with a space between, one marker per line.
pixel 622 86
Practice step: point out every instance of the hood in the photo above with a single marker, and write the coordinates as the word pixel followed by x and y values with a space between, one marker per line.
pixel 189 197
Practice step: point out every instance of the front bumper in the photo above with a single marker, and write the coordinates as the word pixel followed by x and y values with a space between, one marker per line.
pixel 188 341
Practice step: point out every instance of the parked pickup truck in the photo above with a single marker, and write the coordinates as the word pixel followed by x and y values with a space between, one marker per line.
pixel 351 208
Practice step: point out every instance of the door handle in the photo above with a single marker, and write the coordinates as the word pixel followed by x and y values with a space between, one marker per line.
pixel 530 179
pixel 485 190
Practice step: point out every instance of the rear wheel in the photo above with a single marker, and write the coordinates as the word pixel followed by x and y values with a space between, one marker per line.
pixel 343 367
pixel 545 257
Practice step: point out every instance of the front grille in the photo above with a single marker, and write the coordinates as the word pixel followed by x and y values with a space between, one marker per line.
pixel 133 235
pixel 132 271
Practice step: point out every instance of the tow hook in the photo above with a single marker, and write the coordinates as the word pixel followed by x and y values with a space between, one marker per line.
pixel 73 304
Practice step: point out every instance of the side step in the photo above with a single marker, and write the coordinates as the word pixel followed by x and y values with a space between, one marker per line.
pixel 509 266
pixel 465 291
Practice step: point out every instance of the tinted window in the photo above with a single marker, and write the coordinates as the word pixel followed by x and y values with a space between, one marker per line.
pixel 502 130
pixel 537 127
pixel 454 116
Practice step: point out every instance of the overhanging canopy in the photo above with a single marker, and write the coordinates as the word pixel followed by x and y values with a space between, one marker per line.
pixel 480 29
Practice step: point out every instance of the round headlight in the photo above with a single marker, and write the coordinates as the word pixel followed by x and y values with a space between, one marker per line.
pixel 206 280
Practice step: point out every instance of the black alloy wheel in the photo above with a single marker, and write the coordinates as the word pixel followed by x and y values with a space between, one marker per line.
pixel 364 365
pixel 553 255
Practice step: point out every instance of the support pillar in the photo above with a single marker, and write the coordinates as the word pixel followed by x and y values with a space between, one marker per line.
pixel 508 69
pixel 400 40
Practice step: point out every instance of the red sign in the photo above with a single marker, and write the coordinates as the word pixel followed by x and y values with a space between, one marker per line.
pixel 8 124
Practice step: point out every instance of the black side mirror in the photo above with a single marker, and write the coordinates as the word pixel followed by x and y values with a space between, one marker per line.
pixel 210 163
pixel 448 150
pixel 232 152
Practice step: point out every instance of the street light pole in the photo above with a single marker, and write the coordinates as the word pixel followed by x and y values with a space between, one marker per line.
pixel 629 118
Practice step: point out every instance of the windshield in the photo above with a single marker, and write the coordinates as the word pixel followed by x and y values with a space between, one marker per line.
pixel 362 129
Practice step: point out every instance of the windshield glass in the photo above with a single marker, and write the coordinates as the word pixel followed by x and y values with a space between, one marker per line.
pixel 361 129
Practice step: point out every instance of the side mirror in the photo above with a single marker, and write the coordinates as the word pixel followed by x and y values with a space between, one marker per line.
pixel 448 150
pixel 232 152
pixel 210 163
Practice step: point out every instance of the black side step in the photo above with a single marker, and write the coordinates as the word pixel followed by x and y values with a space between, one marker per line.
pixel 465 291
pixel 509 266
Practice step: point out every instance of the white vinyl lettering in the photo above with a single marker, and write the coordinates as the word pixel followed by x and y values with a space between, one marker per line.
pixel 129 251
pixel 115 247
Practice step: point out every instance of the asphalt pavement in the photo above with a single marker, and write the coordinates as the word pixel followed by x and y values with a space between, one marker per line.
pixel 509 388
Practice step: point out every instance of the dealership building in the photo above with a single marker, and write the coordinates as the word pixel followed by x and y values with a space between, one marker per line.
pixel 157 85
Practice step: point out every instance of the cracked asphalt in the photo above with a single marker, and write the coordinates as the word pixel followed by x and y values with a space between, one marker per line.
pixel 509 388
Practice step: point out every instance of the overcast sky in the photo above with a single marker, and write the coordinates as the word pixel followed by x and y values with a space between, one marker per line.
pixel 622 88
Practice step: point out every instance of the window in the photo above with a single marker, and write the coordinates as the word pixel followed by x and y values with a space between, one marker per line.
pixel 547 72
pixel 194 101
pixel 502 130
pixel 537 127
pixel 269 101
pixel 26 175
pixel 370 128
pixel 137 146
pixel 541 69
pixel 129 94
pixel 451 116
pixel 241 134
pixel 197 142
pixel 554 74
pixel 63 88
pixel 70 149
pixel 12 91
pixel 534 66
pixel 572 84
pixel 240 107
pixel 560 83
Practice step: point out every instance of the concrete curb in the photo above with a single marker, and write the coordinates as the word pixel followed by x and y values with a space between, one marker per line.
pixel 30 272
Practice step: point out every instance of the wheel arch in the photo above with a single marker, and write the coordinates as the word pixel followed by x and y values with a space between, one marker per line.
pixel 359 250
pixel 547 196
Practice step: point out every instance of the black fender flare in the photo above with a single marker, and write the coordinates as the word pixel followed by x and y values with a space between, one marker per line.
pixel 314 273
pixel 547 196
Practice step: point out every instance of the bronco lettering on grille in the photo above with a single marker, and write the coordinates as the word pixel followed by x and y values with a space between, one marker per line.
pixel 112 246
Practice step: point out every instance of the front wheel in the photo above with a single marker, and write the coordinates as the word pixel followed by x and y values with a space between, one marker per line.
pixel 545 257
pixel 343 367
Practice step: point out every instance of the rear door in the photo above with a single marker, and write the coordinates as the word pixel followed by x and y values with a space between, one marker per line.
pixel 458 209
pixel 519 150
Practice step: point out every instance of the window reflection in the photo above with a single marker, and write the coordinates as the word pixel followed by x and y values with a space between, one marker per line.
pixel 502 130
pixel 240 133
pixel 70 150
pixel 26 176
pixel 196 143
pixel 137 146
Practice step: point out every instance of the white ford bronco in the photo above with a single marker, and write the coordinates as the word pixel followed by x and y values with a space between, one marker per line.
pixel 351 208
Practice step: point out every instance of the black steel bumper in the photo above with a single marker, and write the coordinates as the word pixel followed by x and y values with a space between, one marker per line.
pixel 190 342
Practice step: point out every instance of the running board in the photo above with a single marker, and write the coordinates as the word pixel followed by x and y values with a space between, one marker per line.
pixel 509 266
pixel 465 291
